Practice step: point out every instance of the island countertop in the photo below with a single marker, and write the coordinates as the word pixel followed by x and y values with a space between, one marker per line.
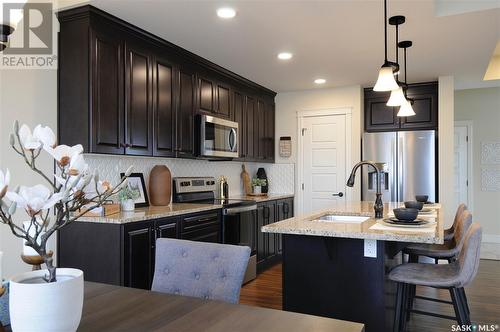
pixel 310 225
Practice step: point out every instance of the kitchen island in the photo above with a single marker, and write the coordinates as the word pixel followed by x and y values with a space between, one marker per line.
pixel 338 268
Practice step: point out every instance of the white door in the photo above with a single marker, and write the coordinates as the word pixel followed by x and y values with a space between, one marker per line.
pixel 324 160
pixel 461 157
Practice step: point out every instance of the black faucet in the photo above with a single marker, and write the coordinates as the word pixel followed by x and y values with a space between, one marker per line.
pixel 379 206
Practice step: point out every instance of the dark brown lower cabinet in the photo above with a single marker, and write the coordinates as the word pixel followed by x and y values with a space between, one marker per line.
pixel 124 254
pixel 269 247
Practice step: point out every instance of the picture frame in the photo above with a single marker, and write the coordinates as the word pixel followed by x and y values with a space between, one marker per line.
pixel 136 180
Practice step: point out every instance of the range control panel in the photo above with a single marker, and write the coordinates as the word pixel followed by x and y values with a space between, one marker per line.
pixel 194 184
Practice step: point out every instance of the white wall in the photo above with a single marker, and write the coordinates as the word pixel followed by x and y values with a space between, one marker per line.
pixel 29 96
pixel 445 147
pixel 482 107
pixel 289 103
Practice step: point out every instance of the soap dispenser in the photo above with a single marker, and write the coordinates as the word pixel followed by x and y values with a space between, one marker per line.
pixel 223 188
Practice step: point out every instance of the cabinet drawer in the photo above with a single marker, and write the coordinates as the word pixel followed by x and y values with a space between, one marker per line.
pixel 192 223
pixel 204 234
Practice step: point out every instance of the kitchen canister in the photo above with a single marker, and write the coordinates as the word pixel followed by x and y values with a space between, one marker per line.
pixel 160 186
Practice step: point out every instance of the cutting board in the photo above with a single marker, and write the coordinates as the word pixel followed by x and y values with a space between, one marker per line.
pixel 245 177
pixel 160 186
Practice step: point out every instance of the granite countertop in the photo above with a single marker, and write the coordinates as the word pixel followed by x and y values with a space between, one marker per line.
pixel 310 225
pixel 269 197
pixel 151 212
pixel 174 209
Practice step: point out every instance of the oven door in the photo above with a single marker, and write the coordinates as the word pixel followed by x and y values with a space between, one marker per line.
pixel 218 137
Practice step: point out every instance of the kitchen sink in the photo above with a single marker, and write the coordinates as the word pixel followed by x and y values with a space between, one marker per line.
pixel 343 219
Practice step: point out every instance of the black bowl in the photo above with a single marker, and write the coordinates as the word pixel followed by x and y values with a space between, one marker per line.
pixel 422 198
pixel 414 205
pixel 406 214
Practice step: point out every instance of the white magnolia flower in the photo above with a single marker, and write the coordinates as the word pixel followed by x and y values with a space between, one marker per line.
pixel 63 153
pixel 77 165
pixel 28 140
pixel 4 182
pixel 34 199
pixel 45 135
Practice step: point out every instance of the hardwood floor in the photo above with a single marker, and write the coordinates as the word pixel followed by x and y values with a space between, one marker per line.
pixel 483 296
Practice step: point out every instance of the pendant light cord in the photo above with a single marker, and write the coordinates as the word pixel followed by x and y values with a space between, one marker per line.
pixel 397 51
pixel 385 29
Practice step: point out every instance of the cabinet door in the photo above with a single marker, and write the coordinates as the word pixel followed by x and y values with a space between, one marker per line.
pixel 184 114
pixel 261 240
pixel 167 228
pixel 379 116
pixel 138 99
pixel 269 135
pixel 270 217
pixel 223 108
pixel 163 108
pixel 207 91
pixel 425 107
pixel 251 130
pixel 138 255
pixel 238 115
pixel 260 123
pixel 107 91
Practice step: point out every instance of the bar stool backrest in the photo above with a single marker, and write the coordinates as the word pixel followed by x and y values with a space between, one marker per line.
pixel 463 225
pixel 470 255
pixel 461 208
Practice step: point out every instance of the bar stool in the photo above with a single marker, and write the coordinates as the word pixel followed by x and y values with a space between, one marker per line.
pixel 449 249
pixel 454 277
pixel 448 233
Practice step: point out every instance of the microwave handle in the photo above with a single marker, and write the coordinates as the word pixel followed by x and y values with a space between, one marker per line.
pixel 232 139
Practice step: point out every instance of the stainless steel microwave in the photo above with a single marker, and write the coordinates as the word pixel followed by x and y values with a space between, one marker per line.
pixel 218 137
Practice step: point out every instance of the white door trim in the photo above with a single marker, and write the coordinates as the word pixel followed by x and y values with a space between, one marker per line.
pixel 470 163
pixel 347 111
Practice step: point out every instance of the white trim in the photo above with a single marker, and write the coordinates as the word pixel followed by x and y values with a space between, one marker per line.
pixel 347 111
pixel 491 238
pixel 470 159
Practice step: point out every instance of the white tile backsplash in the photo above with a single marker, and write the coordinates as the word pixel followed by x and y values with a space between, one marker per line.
pixel 280 176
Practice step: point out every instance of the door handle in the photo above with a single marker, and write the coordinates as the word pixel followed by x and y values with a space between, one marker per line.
pixel 339 194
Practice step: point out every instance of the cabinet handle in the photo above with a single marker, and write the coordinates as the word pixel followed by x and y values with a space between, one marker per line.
pixel 285 208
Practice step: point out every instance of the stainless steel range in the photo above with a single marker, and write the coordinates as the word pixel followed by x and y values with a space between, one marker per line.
pixel 239 216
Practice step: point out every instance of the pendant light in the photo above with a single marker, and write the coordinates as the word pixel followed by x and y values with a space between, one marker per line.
pixel 397 97
pixel 406 109
pixel 385 80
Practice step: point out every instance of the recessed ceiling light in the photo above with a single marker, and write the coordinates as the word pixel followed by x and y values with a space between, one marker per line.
pixel 285 56
pixel 320 81
pixel 226 12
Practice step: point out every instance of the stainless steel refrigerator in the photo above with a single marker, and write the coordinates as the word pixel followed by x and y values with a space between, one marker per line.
pixel 410 165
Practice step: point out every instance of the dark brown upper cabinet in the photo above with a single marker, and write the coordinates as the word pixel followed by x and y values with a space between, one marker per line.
pixel 164 107
pixel 131 92
pixel 185 114
pixel 107 89
pixel 223 105
pixel 139 99
pixel 269 132
pixel 379 117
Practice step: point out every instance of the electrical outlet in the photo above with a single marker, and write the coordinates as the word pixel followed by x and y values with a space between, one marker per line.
pixel 371 248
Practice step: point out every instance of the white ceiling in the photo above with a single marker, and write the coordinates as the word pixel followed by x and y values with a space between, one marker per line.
pixel 341 41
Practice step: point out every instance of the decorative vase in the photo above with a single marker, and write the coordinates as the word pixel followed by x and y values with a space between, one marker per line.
pixel 257 189
pixel 160 185
pixel 128 205
pixel 261 174
pixel 36 305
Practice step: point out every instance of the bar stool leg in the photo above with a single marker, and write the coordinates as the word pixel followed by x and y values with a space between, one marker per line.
pixel 407 288
pixel 465 303
pixel 397 307
pixel 460 312
pixel 411 300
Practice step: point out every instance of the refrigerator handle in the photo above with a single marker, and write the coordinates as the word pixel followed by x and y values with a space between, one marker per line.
pixel 393 172
pixel 400 161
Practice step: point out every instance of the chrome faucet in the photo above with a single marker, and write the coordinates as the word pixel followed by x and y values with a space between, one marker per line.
pixel 379 206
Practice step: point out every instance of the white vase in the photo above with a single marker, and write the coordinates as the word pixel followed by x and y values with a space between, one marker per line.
pixel 36 305
pixel 257 189
pixel 128 205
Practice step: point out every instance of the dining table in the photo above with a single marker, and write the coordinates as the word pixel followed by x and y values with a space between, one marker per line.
pixel 115 308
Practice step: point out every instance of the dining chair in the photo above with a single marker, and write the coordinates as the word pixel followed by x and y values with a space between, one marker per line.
pixel 199 269
pixel 449 232
pixel 454 277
